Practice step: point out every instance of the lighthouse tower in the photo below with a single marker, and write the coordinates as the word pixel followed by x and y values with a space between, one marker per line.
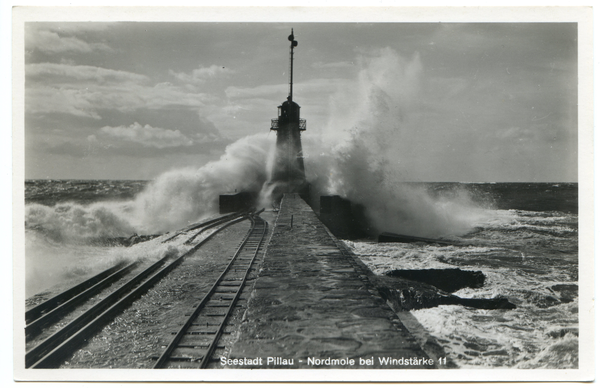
pixel 288 169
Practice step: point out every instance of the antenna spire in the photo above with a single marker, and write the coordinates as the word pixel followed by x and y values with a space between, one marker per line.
pixel 293 43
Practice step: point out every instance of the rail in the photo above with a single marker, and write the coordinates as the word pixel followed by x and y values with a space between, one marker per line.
pixel 50 352
pixel 194 348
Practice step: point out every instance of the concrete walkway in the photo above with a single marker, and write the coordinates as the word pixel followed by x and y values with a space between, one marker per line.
pixel 314 306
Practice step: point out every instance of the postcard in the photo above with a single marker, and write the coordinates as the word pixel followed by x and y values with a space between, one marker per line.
pixel 302 194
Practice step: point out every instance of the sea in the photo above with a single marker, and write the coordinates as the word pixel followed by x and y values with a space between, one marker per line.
pixel 526 246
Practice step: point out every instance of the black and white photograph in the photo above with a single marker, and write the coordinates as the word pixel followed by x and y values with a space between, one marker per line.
pixel 278 196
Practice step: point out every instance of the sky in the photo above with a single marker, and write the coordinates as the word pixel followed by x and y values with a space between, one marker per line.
pixel 472 102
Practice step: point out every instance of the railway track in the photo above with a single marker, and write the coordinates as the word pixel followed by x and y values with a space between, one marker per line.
pixel 196 341
pixel 57 308
pixel 203 226
pixel 50 351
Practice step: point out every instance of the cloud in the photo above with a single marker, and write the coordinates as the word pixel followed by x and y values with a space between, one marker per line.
pixel 168 95
pixel 55 72
pixel 69 28
pixel 201 74
pixel 137 137
pixel 311 89
pixel 262 91
pixel 106 146
pixel 251 108
pixel 447 88
pixel 333 65
pixel 70 101
pixel 51 41
pixel 84 91
pixel 148 136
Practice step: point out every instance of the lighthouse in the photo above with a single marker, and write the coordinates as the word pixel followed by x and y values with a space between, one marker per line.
pixel 288 170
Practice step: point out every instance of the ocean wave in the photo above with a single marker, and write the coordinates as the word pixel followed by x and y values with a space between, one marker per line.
pixel 556 230
pixel 71 221
pixel 560 354
pixel 173 200
pixel 520 338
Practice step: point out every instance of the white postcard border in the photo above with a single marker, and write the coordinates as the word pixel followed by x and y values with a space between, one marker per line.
pixel 581 15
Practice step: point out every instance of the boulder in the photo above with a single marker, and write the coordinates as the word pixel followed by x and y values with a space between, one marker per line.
pixel 407 295
pixel 446 279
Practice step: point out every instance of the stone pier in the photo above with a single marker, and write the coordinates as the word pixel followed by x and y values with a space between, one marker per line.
pixel 313 304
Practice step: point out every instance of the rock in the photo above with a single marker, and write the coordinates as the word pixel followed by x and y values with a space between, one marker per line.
pixel 488 304
pixel 562 332
pixel 407 295
pixel 449 280
pixel 387 237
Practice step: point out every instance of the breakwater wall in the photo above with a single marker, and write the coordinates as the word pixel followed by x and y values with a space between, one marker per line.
pixel 314 305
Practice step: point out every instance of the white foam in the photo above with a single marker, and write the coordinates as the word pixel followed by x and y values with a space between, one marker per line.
pixel 365 153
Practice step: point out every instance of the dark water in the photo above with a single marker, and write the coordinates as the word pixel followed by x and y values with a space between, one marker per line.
pixel 560 197
pixel 51 192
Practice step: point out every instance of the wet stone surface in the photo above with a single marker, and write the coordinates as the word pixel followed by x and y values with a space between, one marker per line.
pixel 312 301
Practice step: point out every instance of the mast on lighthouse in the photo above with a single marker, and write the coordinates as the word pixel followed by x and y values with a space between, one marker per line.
pixel 293 43
pixel 288 171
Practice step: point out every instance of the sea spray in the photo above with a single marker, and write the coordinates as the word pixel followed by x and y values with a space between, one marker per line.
pixel 364 153
pixel 180 197
pixel 173 200
pixel 50 262
pixel 62 240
